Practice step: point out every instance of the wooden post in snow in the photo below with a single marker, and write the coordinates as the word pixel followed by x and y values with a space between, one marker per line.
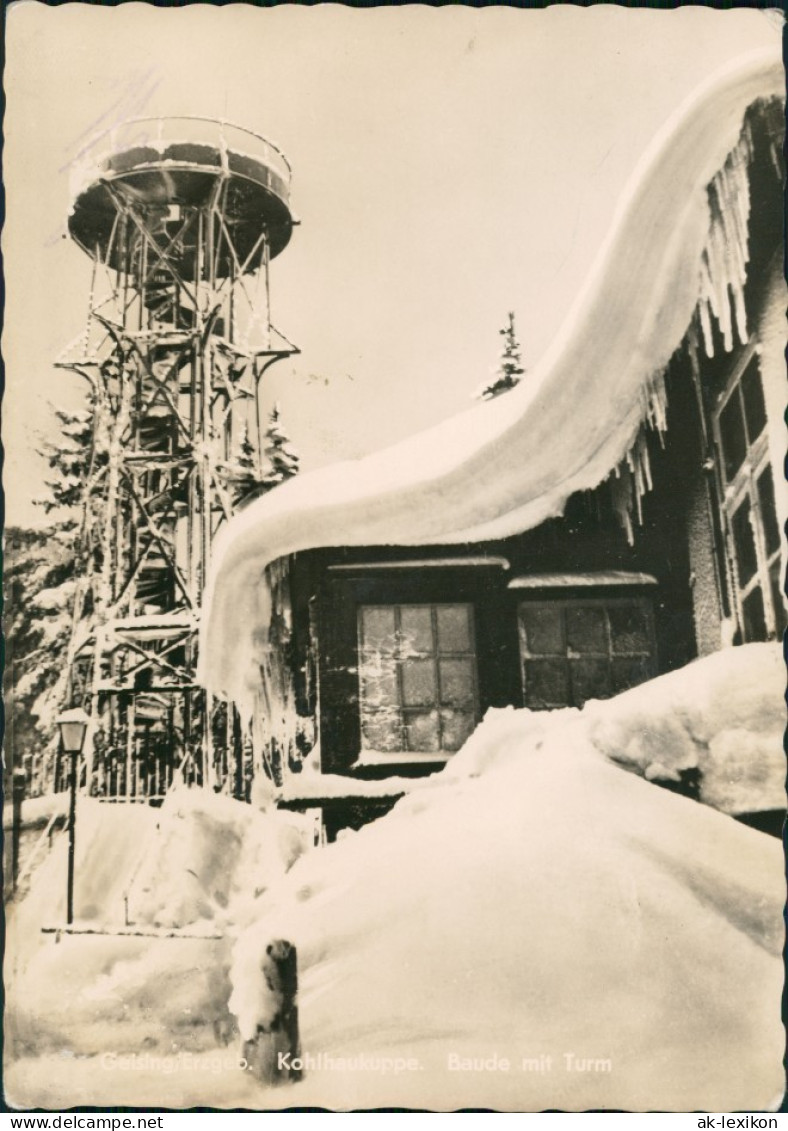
pixel 274 1048
pixel 17 796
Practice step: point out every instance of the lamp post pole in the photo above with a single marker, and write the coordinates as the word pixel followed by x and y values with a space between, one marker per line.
pixel 73 726
pixel 72 819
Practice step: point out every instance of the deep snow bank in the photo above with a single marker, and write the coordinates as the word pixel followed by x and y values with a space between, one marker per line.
pixel 213 855
pixel 508 464
pixel 197 863
pixel 533 902
pixel 536 901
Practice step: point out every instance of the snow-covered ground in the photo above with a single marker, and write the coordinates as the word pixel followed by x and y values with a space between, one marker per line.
pixel 615 944
pixel 149 870
pixel 37 812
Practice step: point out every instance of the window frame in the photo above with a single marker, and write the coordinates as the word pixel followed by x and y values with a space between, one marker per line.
pixel 639 600
pixel 743 488
pixel 435 654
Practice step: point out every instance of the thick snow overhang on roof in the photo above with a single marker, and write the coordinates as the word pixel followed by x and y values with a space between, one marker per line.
pixel 506 465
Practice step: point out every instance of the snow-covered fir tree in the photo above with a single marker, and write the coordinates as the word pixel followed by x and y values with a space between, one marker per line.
pixel 69 459
pixel 282 458
pixel 39 588
pixel 40 583
pixel 510 368
pixel 244 473
pixel 280 462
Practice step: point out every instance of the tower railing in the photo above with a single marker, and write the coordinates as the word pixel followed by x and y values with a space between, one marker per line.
pixel 104 151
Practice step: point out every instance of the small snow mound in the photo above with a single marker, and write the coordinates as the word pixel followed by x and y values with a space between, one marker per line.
pixel 210 853
pixel 723 715
pixel 505 733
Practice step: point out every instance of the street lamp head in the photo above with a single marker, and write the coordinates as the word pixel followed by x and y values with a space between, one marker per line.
pixel 73 726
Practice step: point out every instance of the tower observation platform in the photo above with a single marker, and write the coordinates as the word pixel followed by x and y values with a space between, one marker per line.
pixel 181 218
pixel 158 163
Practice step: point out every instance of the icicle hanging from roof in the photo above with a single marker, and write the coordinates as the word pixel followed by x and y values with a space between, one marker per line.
pixel 630 482
pixel 655 403
pixel 621 498
pixel 725 256
pixel 693 349
pixel 722 278
pixel 275 725
pixel 483 491
pixel 631 479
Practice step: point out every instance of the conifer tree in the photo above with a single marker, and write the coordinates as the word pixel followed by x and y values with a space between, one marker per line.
pixel 69 459
pixel 283 460
pixel 41 578
pixel 510 368
pixel 245 476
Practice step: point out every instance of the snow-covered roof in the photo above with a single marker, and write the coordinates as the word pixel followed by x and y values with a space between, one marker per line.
pixel 506 465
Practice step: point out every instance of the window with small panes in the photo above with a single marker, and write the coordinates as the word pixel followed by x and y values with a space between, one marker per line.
pixel 417 677
pixel 748 502
pixel 574 650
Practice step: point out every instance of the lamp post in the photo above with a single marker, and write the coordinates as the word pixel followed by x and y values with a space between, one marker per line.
pixel 73 726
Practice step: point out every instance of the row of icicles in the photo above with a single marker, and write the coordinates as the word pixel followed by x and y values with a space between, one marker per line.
pixel 721 281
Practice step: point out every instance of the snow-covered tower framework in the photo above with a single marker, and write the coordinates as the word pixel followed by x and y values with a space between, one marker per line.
pixel 181 218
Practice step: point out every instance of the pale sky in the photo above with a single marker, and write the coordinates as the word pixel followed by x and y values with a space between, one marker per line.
pixel 449 165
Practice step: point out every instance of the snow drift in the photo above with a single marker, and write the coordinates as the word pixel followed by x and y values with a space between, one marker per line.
pixel 197 865
pixel 211 855
pixel 535 903
pixel 510 463
pixel 570 929
pixel 723 716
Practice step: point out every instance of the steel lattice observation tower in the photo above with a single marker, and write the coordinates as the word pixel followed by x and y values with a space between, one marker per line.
pixel 181 218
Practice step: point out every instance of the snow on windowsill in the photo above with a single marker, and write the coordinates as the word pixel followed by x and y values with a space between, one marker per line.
pixel 317 787
pixel 584 580
pixel 399 758
pixel 477 562
pixel 339 787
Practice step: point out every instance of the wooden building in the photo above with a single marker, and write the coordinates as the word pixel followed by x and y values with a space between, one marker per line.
pixel 397 650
